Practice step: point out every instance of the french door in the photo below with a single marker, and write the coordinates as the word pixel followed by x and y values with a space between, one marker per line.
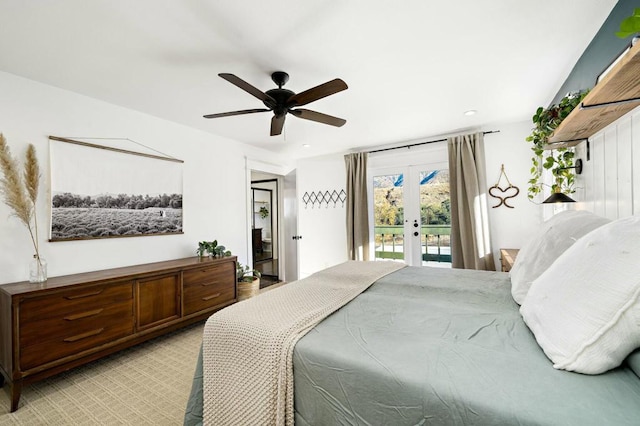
pixel 411 214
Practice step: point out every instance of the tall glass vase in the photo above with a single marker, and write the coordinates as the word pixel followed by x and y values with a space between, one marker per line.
pixel 37 269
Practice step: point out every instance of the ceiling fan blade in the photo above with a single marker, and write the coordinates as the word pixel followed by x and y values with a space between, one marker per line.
pixel 237 81
pixel 307 114
pixel 318 92
pixel 277 123
pixel 229 114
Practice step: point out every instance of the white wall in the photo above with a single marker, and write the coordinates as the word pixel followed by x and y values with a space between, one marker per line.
pixel 607 186
pixel 214 180
pixel 610 182
pixel 215 183
pixel 323 229
pixel 510 228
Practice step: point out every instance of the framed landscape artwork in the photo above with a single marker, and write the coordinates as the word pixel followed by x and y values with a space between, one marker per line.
pixel 105 192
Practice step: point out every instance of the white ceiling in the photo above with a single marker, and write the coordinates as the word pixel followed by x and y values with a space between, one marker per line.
pixel 413 67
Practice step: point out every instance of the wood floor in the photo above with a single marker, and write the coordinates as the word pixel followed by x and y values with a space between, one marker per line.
pixel 267 267
pixel 269 270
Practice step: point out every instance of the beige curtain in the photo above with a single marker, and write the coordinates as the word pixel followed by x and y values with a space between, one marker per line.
pixel 357 208
pixel 470 240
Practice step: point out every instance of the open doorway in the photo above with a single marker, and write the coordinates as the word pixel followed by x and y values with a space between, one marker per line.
pixel 265 232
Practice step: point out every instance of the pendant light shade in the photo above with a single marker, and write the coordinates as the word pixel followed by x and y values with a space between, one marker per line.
pixel 558 197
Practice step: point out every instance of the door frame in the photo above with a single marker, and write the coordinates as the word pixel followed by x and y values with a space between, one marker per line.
pixel 289 246
pixel 278 173
pixel 274 220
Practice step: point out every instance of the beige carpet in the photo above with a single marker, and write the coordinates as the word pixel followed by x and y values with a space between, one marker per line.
pixel 148 384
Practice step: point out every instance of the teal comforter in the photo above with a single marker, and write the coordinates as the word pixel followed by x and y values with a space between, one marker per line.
pixel 438 346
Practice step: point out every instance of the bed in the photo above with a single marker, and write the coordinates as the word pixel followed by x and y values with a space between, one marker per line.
pixel 436 346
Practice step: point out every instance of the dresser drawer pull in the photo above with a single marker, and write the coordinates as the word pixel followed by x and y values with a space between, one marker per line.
pixel 80 296
pixel 209 283
pixel 83 314
pixel 213 296
pixel 83 335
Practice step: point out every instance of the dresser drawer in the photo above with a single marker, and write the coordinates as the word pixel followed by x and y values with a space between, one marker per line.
pixel 68 302
pixel 202 296
pixel 222 273
pixel 74 323
pixel 49 339
pixel 207 287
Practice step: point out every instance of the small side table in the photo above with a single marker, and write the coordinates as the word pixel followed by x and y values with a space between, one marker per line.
pixel 508 257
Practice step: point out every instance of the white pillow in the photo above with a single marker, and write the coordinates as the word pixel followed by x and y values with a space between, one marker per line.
pixel 585 309
pixel 551 240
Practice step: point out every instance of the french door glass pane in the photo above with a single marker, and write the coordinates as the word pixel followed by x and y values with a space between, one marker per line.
pixel 435 218
pixel 388 214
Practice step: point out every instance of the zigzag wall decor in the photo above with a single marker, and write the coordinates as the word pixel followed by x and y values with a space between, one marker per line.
pixel 321 198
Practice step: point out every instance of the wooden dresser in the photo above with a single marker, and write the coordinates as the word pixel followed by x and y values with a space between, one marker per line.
pixel 50 327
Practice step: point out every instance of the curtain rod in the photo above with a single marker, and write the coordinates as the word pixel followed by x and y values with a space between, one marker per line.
pixel 422 143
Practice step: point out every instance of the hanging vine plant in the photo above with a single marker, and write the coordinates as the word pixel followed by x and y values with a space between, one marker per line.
pixel 559 160
pixel 630 25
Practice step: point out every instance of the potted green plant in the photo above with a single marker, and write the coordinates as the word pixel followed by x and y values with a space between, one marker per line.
pixel 211 248
pixel 264 212
pixel 248 281
pixel 216 250
pixel 558 161
pixel 202 249
pixel 630 25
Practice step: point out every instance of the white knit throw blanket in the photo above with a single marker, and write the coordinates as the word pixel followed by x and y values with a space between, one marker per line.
pixel 248 347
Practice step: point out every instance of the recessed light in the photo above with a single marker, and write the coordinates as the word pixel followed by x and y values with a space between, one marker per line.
pixel 306 145
pixel 470 112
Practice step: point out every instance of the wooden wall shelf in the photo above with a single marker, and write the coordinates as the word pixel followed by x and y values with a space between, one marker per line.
pixel 604 104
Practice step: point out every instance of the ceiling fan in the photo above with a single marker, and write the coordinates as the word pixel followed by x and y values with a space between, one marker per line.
pixel 283 101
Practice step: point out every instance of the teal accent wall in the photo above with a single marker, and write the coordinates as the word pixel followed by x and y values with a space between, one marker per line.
pixel 602 50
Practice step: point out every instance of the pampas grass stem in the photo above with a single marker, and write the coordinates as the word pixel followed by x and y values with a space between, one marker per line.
pixel 21 194
pixel 32 181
